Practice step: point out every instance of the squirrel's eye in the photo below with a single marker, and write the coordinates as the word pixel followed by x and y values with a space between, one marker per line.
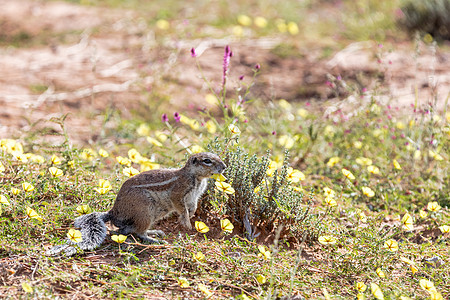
pixel 207 161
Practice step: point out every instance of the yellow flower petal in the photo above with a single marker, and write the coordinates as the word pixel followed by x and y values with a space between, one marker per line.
pixel 74 235
pixel 84 209
pixel 376 291
pixel 55 172
pixel 427 285
pixel 119 238
pixel 444 228
pixel 360 286
pixel 433 206
pixel 27 187
pixel 407 222
pixel 380 273
pixel 226 225
pixel 368 191
pixel 183 282
pixel 4 200
pixel 130 171
pixel 327 240
pixel 224 187
pixel 261 279
pixel 201 227
pixel 199 256
pixel 27 287
pixel 348 174
pixel 391 245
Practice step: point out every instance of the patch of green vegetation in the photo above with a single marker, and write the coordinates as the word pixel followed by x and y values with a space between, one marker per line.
pixel 320 203
pixel 38 88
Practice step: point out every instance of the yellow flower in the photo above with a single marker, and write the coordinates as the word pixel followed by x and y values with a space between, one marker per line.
pixel 396 164
pixel 400 125
pixel 183 282
pixel 32 214
pixel 363 161
pixel 327 240
pixel 161 136
pixel 104 186
pixel 407 222
pixel 154 142
pixel 55 160
pixel 237 30
pixel 294 176
pixel 380 273
pixel 362 217
pixel 84 209
pixel 2 167
pixel 244 20
pixel 329 131
pixel 292 28
pixel 162 24
pixel 423 214
pixel 130 171
pixel 263 252
pixel 427 286
pixel 197 149
pixel 19 157
pixel 417 154
pixel 433 206
pixel 328 192
pixel 4 200
pixel 27 287
pixel 281 25
pixel 332 161
pixel 376 291
pixel 361 287
pixel 119 238
pixel 204 289
pixel 15 191
pixel 224 187
pixel 226 225
pixel 234 129
pixel 414 269
pixel 391 245
pixel 435 155
pixel 134 155
pixel 261 279
pixel 286 141
pixel 219 177
pixel 74 235
pixel 103 153
pixel 330 201
pixel 27 187
pixel 199 256
pixel 368 191
pixel 360 296
pixel 201 227
pixel 348 174
pixel 411 264
pixel 271 168
pixel 260 22
pixel 357 144
pixel 147 165
pixel 55 172
pixel 143 130
pixel 443 228
pixel 373 169
pixel 436 296
pixel 88 154
pixel 123 161
pixel 303 113
pixel 211 126
pixel 70 163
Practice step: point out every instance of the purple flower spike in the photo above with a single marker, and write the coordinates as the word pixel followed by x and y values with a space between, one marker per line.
pixel 164 118
pixel 193 54
pixel 177 117
pixel 257 67
pixel 226 64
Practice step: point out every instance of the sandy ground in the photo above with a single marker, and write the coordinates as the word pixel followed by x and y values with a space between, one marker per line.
pixel 109 58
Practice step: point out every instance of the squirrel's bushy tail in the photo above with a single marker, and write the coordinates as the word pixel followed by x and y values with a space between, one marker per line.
pixel 93 233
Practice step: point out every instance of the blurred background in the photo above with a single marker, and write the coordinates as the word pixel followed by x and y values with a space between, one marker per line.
pixel 104 62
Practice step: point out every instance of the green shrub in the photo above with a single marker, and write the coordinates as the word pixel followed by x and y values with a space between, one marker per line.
pixel 427 16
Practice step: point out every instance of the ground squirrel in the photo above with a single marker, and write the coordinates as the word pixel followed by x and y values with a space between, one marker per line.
pixel 146 198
